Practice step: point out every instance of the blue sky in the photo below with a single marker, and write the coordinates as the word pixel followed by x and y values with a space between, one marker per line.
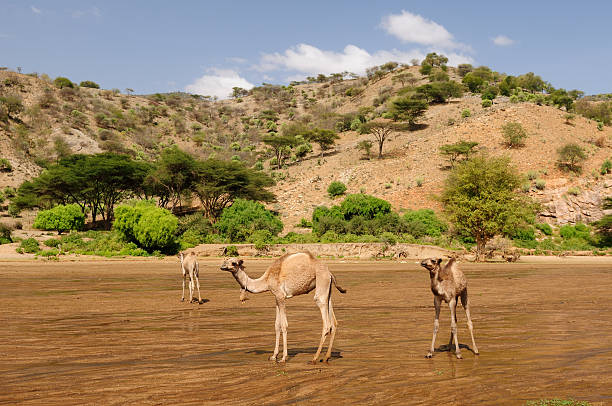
pixel 207 47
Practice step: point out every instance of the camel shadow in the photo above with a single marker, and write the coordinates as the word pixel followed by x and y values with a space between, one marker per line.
pixel 449 348
pixel 295 351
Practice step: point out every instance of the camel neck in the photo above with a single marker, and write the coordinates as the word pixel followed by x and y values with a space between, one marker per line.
pixel 435 278
pixel 251 285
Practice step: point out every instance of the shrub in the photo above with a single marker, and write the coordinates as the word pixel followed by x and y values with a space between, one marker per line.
pixel 606 167
pixel 419 182
pixel 63 82
pixel 514 134
pixel 366 147
pixel 570 157
pixel 574 191
pixel 52 242
pixel 487 103
pixel 364 205
pixel 5 165
pixel 151 227
pixel 5 234
pixel 531 175
pixel 388 238
pixel 336 189
pixel 540 184
pixel 29 246
pixel 579 230
pixel 466 113
pixel 546 229
pixel 431 224
pixel 243 218
pixel 60 218
pixel 90 84
pixel 231 251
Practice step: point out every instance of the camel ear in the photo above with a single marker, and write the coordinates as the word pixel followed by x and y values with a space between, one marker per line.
pixel 439 261
pixel 240 262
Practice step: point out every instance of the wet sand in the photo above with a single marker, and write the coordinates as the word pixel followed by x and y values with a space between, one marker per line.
pixel 115 332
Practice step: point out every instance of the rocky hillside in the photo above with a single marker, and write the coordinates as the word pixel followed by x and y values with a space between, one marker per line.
pixel 49 122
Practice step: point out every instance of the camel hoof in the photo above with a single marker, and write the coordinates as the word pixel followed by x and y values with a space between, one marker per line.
pixel 476 353
pixel 282 361
pixel 183 299
pixel 429 355
pixel 272 358
pixel 459 356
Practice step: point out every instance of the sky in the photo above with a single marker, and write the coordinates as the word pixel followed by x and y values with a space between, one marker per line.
pixel 208 47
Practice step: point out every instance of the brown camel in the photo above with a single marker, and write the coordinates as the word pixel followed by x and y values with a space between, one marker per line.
pixel 292 275
pixel 190 267
pixel 448 283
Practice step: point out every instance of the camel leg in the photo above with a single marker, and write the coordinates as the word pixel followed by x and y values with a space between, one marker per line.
pixel 466 306
pixel 198 285
pixel 437 304
pixel 277 328
pixel 183 298
pixel 450 340
pixel 322 300
pixel 452 305
pixel 284 325
pixel 191 289
pixel 334 328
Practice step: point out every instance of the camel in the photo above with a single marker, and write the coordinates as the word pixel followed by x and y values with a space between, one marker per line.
pixel 293 275
pixel 190 267
pixel 448 283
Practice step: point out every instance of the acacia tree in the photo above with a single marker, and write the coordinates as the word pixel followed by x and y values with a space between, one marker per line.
pixel 381 129
pixel 220 183
pixel 481 200
pixel 173 177
pixel 280 144
pixel 324 138
pixel 407 109
pixel 458 149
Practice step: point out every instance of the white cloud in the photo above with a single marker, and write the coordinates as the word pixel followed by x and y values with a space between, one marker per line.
pixel 410 27
pixel 308 59
pixel 35 10
pixel 219 83
pixel 502 41
pixel 236 59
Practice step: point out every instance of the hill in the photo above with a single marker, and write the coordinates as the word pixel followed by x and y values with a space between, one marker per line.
pixel 52 121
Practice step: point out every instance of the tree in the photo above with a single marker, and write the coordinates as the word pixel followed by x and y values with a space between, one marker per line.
pixel 531 82
pixel 458 149
pixel 366 147
pixel 239 92
pixel 63 82
pixel 10 105
pixel 381 129
pixel 324 138
pixel 464 68
pixel 173 177
pixel 434 59
pixel 129 90
pixel 220 183
pixel 336 188
pixel 571 157
pixel 280 144
pixel 407 109
pixel 404 78
pixel 481 200
pixel 514 134
pixel 90 84
pixel 473 82
pixel 439 92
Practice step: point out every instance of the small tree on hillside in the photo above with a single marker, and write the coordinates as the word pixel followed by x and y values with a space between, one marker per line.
pixel 407 109
pixel 457 150
pixel 381 129
pixel 481 200
pixel 404 78
pixel 324 138
pixel 571 157
pixel 279 145
pixel 514 134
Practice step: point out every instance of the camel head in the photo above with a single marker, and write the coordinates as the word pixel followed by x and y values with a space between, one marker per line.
pixel 431 264
pixel 232 265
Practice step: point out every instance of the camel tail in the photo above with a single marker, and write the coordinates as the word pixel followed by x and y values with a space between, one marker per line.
pixel 340 288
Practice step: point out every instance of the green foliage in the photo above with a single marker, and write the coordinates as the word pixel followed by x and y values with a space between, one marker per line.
pixel 151 227
pixel 231 251
pixel 466 113
pixel 427 221
pixel 486 103
pixel 280 144
pixel 5 234
pixel 407 109
pixel 473 82
pixel 63 82
pixel 52 242
pixel 336 189
pixel 490 92
pixel 579 230
pixel 606 167
pixel 571 157
pixel 545 228
pixel 480 199
pixel 5 165
pixel 243 218
pixel 574 191
pixel 363 205
pixel 324 138
pixel 514 134
pixel 60 218
pixel 458 150
pixel 439 92
pixel 540 184
pixel 557 402
pixel 29 246
pixel 10 105
pixel 464 68
pixel 90 84
pixel 102 243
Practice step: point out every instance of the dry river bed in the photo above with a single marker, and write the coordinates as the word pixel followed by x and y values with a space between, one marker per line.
pixel 116 332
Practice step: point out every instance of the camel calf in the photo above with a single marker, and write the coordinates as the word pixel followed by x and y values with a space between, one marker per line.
pixel 189 266
pixel 447 284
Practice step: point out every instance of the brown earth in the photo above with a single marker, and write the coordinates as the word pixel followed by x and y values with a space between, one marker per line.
pixel 115 332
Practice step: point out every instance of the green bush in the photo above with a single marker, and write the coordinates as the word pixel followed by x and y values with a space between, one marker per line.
pixel 487 103
pixel 5 234
pixel 52 242
pixel 466 113
pixel 546 229
pixel 426 222
pixel 388 238
pixel 5 165
pixel 49 253
pixel 29 246
pixel 514 134
pixel 150 227
pixel 540 184
pixel 580 230
pixel 571 157
pixel 363 205
pixel 90 84
pixel 231 251
pixel 336 189
pixel 62 82
pixel 606 167
pixel 239 221
pixel 60 218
